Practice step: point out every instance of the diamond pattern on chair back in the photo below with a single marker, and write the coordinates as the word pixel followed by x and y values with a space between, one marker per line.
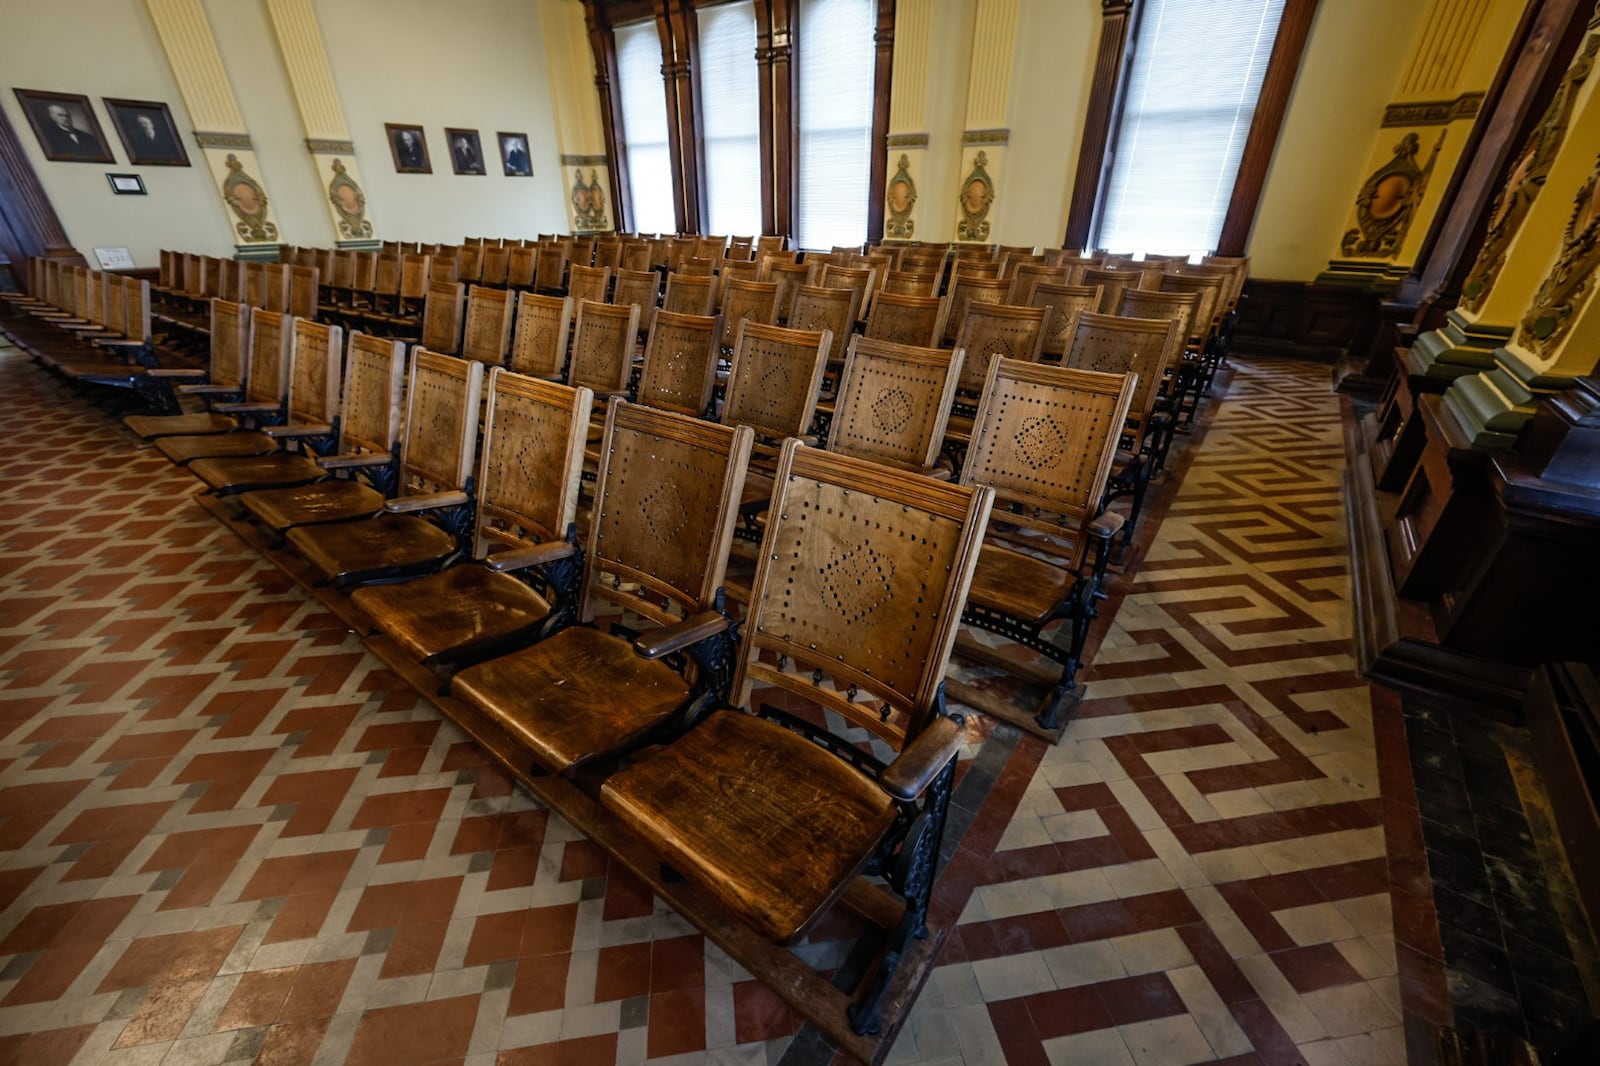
pixel 992 331
pixel 749 301
pixel 680 363
pixel 1209 296
pixel 539 345
pixel 588 283
pixel 269 357
pixel 1179 306
pixel 441 317
pixel 1110 344
pixel 665 504
pixel 905 319
pixel 966 291
pixel 230 328
pixel 819 308
pixel 529 472
pixel 689 294
pixel 773 383
pixel 315 366
pixel 894 402
pixel 441 427
pixel 1065 302
pixel 637 287
pixel 602 346
pixel 374 378
pixel 730 272
pixel 488 327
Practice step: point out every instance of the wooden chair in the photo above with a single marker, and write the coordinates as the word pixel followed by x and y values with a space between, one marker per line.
pixel 442 408
pixel 913 320
pixel 602 348
pixel 997 331
pixel 833 311
pixel 860 583
pixel 1028 275
pixel 588 283
pixel 863 280
pixel 966 290
pixel 225 380
pixel 608 253
pixel 902 283
pixel 368 448
pixel 680 363
pixel 442 316
pixel 551 275
pixel 657 547
pixel 690 294
pixel 893 403
pixel 488 325
pixel 749 301
pixel 266 397
pixel 1113 282
pixel 522 580
pixel 730 271
pixel 642 288
pixel 774 380
pixel 303 292
pixel 1065 302
pixel 496 265
pixel 539 344
pixel 789 277
pixel 520 264
pixel 1044 440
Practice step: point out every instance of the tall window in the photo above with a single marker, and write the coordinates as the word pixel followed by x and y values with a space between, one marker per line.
pixel 836 73
pixel 1184 123
pixel 730 118
pixel 644 126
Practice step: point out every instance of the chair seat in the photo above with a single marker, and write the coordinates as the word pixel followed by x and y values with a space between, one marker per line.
pixel 578 696
pixel 1019 584
pixel 203 423
pixel 183 450
pixel 386 546
pixel 310 505
pixel 242 473
pixel 768 822
pixel 465 612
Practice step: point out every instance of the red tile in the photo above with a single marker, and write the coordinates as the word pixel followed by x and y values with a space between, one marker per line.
pixel 292 1043
pixel 257 999
pixel 622 972
pixel 582 859
pixel 760 1014
pixel 513 868
pixel 1014 1027
pixel 626 896
pixel 677 1023
pixel 1140 999
pixel 1314 966
pixel 540 984
pixel 415 1033
pixel 163 1014
pixel 583 1051
pixel 408 843
pixel 1066 1011
pixel 171 957
pixel 548 930
pixel 401 808
pixel 1096 921
pixel 54 1047
pixel 495 937
pixel 318 988
pixel 677 963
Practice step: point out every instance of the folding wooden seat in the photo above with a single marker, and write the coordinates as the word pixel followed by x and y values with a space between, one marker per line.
pixel 902 319
pixel 443 265
pixel 680 363
pixel 907 284
pixel 974 268
pixel 520 267
pixel 966 290
pixel 275 290
pixel 690 294
pixel 741 248
pixel 277 392
pixel 749 301
pixel 487 331
pixel 117 351
pixel 833 311
pixel 1027 275
pixel 789 277
pixel 525 536
pixel 539 344
pixel 224 380
pixel 580 251
pixel 442 406
pixel 551 275
pixel 496 265
pixel 1013 261
pixel 1210 293
pixel 1065 302
pixel 774 381
pixel 1044 440
pixel 635 257
pixel 368 447
pixel 442 315
pixel 1141 303
pixel 769 244
pixel 696 267
pixel 588 283
pixel 642 288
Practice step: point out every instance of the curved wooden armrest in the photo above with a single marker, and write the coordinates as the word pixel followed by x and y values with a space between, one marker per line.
pixel 545 552
pixel 1107 524
pixel 354 461
pixel 668 639
pixel 114 342
pixel 178 372
pixel 203 390
pixel 429 501
pixel 914 769
pixel 244 408
pixel 307 429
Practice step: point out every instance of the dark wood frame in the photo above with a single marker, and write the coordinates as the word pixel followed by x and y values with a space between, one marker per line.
pixel 450 134
pixel 33 103
pixel 392 131
pixel 31 225
pixel 117 110
pixel 500 137
pixel 1110 73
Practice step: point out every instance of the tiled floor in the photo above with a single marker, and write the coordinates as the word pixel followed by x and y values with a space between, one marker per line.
pixel 230 835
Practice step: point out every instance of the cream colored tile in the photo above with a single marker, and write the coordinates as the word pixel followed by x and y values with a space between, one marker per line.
pixel 1346 1010
pixel 1074 825
pixel 1103 1047
pixel 1017 897
pixel 1239 803
pixel 1364 958
pixel 1230 864
pixel 1155 951
pixel 1090 963
pixel 1373 915
pixel 1139 878
pixel 1166 1042
pixel 1315 923
pixel 1213 1017
pixel 1011 976
pixel 1023 831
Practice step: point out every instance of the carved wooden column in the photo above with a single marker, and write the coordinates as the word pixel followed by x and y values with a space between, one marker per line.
pixel 785 116
pixel 1116 26
pixel 27 210
pixel 604 47
pixel 676 23
pixel 883 69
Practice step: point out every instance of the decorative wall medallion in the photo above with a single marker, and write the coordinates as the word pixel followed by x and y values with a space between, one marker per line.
pixel 1565 288
pixel 1513 201
pixel 977 196
pixel 901 201
pixel 1388 201
pixel 349 203
pixel 249 201
pixel 588 201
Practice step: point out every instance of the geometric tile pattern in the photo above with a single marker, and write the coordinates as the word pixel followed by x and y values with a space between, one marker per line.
pixel 231 835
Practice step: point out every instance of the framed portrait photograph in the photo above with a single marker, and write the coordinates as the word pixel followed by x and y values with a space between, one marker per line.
pixel 148 133
pixel 66 127
pixel 514 155
pixel 409 148
pixel 466 153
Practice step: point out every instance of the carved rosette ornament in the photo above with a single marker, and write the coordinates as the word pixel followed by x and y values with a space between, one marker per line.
pixel 349 203
pixel 901 200
pixel 1388 201
pixel 248 200
pixel 977 196
pixel 1512 203
pixel 1570 280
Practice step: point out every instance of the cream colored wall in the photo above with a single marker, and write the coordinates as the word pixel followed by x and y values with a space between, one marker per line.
pixel 1346 77
pixel 477 64
pixel 949 57
pixel 107 48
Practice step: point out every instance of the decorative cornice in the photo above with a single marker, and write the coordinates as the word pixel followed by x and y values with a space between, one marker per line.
pixel 986 137
pixel 1432 112
pixel 1115 7
pixel 223 140
pixel 907 140
pixel 584 161
pixel 323 146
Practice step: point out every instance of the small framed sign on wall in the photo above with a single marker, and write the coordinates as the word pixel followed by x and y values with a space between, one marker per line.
pixel 126 184
pixel 114 258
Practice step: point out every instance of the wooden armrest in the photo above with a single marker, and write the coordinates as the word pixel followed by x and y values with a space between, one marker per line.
pixel 914 769
pixel 204 390
pixel 522 558
pixel 179 372
pixel 1107 524
pixel 354 461
pixel 245 407
pixel 429 501
pixel 113 342
pixel 303 430
pixel 668 639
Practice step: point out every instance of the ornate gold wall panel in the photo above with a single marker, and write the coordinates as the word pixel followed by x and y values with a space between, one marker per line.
pixel 989 82
pixel 1448 36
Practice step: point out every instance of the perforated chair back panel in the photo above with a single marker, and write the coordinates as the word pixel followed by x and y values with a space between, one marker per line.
pixel 905 319
pixel 1209 294
pixel 749 301
pixel 1110 344
pixel 268 378
pixel 441 427
pixel 789 277
pixel 316 365
pixel 965 291
pixel 230 330
pixel 680 363
pixel 1065 302
pixel 689 294
pixel 303 291
pixel 374 378
pixel 997 331
pixel 1179 306
pixel 637 287
pixel 519 268
pixel 488 325
pixel 773 382
pixel 552 267
pixel 602 346
pixel 496 263
pixel 530 469
pixel 441 316
pixel 1027 276
pixel 588 283
pixel 539 345
pixel 819 308
pixel 894 402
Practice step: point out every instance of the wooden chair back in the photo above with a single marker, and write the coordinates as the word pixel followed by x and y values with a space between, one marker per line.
pixel 488 325
pixel 635 256
pixel 903 319
pixel 442 315
pixel 862 577
pixel 469 262
pixel 588 283
pixel 749 301
pixel 730 272
pixel 386 278
pixel 136 323
pixel 894 402
pixel 690 294
pixel 637 287
pixel 966 290
pixel 903 283
pixel 230 337
pixel 496 265
pixel 831 310
pixel 1110 344
pixel 267 378
pixel 520 266
pixel 275 288
pixel 1027 276
pixel 863 280
pixel 444 395
pixel 680 363
pixel 443 266
pixel 316 365
pixel 552 269
pixel 608 253
pixel 303 291
pixel 1064 301
pixel 997 331
pixel 1210 293
pixel 789 277
pixel 666 500
pixel 539 345
pixel 602 347
pixel 1141 303
pixel 374 379
pixel 1113 282
pixel 414 278
pixel 531 463
pixel 770 243
pixel 775 379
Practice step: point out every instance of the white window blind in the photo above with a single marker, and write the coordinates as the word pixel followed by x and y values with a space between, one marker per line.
pixel 1184 122
pixel 644 128
pixel 730 118
pixel 836 72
